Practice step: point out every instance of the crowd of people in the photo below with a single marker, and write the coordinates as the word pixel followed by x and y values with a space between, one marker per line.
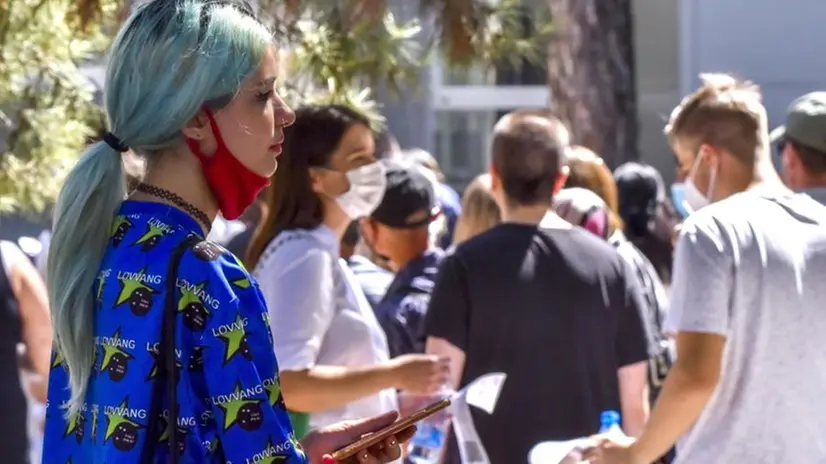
pixel 272 284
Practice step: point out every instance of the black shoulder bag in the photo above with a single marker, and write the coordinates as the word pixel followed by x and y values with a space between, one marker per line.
pixel 167 374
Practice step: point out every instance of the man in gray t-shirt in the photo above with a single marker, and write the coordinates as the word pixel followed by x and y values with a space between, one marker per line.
pixel 748 298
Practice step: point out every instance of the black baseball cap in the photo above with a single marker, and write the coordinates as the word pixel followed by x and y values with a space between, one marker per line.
pixel 409 200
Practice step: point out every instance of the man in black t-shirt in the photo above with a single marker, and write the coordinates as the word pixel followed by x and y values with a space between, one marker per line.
pixel 552 306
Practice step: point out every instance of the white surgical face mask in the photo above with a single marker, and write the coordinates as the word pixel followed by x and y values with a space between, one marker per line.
pixel 693 198
pixel 367 184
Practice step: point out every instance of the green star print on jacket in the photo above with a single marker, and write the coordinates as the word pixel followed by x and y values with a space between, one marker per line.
pixel 230 405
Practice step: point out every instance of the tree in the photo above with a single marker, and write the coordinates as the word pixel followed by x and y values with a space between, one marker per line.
pixel 335 51
pixel 46 109
pixel 591 75
pixel 340 50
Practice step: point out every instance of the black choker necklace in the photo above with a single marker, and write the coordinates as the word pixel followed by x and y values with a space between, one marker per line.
pixel 175 199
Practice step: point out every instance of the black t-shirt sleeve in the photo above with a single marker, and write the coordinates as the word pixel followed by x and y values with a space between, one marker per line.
pixel 448 312
pixel 632 335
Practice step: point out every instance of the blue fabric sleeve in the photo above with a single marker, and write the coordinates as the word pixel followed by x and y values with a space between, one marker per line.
pixel 240 371
pixel 230 408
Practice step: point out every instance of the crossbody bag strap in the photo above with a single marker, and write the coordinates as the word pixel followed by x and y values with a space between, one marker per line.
pixel 166 362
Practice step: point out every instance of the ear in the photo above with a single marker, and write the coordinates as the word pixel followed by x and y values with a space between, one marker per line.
pixel 495 181
pixel 712 156
pixel 561 179
pixel 791 167
pixel 790 156
pixel 316 180
pixel 198 127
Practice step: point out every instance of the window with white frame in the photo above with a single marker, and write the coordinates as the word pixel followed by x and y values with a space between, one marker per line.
pixel 462 139
pixel 465 115
pixel 468 102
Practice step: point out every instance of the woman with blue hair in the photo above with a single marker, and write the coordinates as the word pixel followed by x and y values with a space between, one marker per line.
pixel 163 350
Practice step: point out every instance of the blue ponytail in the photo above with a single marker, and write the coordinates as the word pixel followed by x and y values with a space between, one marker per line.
pixel 168 60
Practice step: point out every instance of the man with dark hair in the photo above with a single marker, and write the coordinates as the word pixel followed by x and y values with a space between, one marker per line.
pixel 449 200
pixel 552 306
pixel 802 145
pixel 398 230
pixel 529 157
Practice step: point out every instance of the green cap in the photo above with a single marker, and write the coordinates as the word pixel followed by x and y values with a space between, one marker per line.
pixel 805 122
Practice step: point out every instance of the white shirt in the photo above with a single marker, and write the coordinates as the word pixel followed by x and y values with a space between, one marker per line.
pixel 223 230
pixel 319 315
pixel 752 268
pixel 45 238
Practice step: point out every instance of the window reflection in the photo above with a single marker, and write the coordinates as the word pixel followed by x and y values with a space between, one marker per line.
pixel 462 144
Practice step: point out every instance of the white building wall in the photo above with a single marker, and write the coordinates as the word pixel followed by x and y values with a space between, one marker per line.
pixel 777 44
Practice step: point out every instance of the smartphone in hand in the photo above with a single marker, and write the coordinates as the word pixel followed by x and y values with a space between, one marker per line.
pixel 394 428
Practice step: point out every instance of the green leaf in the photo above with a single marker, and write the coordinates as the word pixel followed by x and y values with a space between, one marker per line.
pixel 332 51
pixel 333 57
pixel 48 111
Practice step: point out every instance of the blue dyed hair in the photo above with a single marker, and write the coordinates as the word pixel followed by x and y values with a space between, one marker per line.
pixel 170 59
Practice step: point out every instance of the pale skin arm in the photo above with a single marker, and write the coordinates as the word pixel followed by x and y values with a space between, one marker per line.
pixel 307 387
pixel 633 390
pixel 322 388
pixel 686 391
pixel 443 348
pixel 33 304
pixel 700 265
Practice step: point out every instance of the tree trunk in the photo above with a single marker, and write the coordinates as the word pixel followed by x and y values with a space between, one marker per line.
pixel 591 75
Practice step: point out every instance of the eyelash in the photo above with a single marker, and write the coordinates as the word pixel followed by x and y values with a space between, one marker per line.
pixel 264 97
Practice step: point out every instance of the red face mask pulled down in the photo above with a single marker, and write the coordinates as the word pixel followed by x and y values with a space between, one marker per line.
pixel 235 187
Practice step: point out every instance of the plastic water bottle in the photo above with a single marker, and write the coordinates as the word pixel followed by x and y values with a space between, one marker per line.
pixel 609 422
pixel 427 443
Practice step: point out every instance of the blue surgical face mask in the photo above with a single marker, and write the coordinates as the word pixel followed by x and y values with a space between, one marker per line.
pixel 678 198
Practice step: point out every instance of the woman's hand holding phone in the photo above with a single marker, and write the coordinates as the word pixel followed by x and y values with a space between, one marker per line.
pixel 320 444
pixel 374 440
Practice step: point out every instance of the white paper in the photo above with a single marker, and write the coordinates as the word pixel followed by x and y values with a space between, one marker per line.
pixel 559 452
pixel 482 393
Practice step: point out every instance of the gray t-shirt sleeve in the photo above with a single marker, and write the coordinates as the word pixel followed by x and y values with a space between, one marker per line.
pixel 701 286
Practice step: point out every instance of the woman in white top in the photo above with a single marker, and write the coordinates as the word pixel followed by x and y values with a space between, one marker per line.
pixel 331 350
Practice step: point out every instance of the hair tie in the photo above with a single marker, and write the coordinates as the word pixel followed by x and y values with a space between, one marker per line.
pixel 113 141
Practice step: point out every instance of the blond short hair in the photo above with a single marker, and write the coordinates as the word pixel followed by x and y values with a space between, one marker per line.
pixel 479 210
pixel 724 112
